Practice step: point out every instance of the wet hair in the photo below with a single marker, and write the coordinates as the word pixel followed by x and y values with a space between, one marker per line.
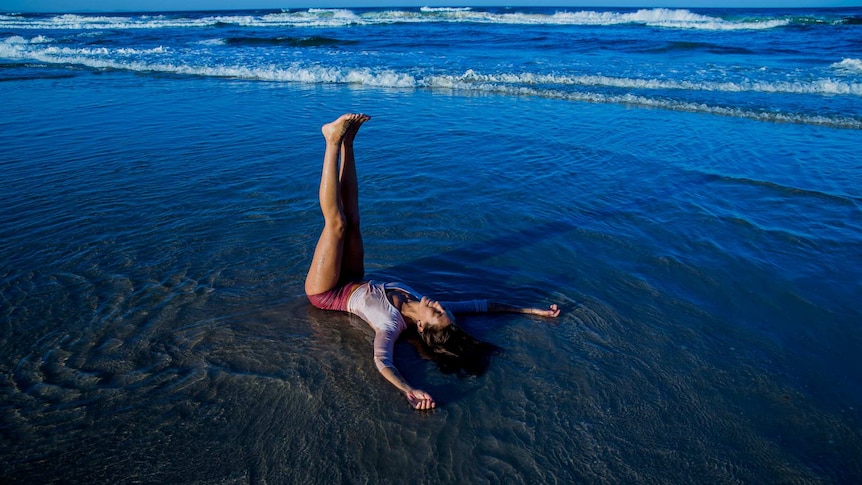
pixel 456 351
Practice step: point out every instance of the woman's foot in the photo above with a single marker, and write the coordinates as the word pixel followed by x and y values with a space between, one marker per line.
pixel 353 129
pixel 338 130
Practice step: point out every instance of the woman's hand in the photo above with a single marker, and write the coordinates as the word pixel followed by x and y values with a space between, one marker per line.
pixel 552 312
pixel 420 399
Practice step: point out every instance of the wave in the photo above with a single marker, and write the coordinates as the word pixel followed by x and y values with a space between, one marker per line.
pixel 27 71
pixel 676 105
pixel 662 17
pixel 524 84
pixel 788 191
pixel 101 51
pixel 97 22
pixel 820 86
pixel 444 9
pixel 851 66
pixel 699 46
pixel 17 48
pixel 319 17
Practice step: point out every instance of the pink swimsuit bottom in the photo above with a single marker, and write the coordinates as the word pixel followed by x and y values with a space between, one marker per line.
pixel 334 299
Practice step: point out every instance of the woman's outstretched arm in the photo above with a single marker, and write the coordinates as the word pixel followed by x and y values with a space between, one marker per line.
pixel 384 348
pixel 417 398
pixel 552 311
pixel 485 306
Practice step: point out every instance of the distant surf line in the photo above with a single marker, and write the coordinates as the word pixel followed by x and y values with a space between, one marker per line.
pixel 318 17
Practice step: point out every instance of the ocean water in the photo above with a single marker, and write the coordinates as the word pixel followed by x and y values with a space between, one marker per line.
pixel 684 183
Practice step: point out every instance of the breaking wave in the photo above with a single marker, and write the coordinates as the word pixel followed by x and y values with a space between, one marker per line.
pixel 319 17
pixel 101 57
pixel 852 66
pixel 592 88
pixel 820 86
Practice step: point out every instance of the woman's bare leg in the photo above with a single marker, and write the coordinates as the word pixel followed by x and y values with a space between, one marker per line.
pixel 353 260
pixel 325 270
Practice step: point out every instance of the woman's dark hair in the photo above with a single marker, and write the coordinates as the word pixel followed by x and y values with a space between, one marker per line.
pixel 456 351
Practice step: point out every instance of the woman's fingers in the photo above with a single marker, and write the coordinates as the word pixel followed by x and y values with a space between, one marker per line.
pixel 553 311
pixel 420 399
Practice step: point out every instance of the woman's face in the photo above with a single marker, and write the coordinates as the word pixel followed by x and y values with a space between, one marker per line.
pixel 432 314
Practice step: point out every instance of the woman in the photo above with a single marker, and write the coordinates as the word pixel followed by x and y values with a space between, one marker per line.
pixel 334 280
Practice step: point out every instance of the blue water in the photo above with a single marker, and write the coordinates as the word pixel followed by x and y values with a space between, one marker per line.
pixel 685 184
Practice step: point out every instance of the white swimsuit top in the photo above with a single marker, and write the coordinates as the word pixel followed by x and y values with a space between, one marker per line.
pixel 369 302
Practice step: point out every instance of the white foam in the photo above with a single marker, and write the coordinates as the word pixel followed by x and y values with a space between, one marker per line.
pixel 684 19
pixel 211 42
pixel 89 22
pixel 94 58
pixel 16 47
pixel 319 17
pixel 16 39
pixel 136 52
pixel 339 15
pixel 819 87
pixel 853 66
pixel 68 51
pixel 311 18
pixel 444 9
pixel 657 17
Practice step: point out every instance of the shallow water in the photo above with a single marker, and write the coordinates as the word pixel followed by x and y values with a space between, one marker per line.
pixel 156 229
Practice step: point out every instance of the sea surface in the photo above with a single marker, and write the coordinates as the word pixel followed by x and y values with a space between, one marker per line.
pixel 685 184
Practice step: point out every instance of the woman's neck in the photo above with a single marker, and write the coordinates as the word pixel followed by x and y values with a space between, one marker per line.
pixel 409 310
pixel 405 305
